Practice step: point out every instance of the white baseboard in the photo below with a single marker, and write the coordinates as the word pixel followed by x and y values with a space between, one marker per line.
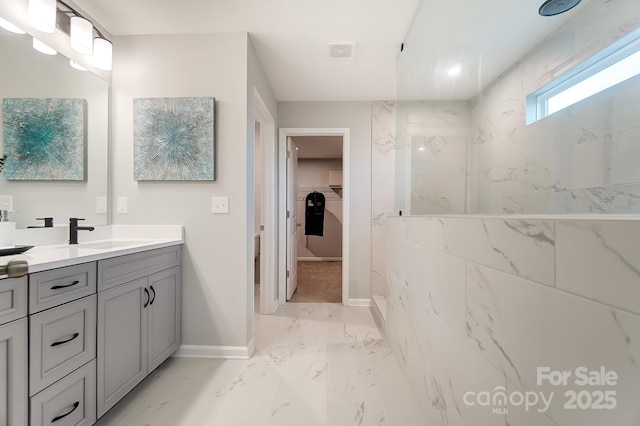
pixel 222 352
pixel 319 259
pixel 380 303
pixel 250 348
pixel 358 302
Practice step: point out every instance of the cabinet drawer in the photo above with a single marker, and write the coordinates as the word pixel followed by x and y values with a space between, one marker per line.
pixel 122 269
pixel 13 299
pixel 62 339
pixel 51 288
pixel 69 402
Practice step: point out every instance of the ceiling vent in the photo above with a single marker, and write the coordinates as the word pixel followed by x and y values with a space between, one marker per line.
pixel 342 49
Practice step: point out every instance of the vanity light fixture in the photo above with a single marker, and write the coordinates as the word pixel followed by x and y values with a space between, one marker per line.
pixel 81 33
pixel 10 27
pixel 41 15
pixel 43 48
pixel 80 29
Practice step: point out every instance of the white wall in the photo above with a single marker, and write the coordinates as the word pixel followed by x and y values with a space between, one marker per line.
pixel 315 171
pixel 357 117
pixel 215 268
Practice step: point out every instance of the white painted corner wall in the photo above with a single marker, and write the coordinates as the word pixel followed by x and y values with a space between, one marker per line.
pixel 214 265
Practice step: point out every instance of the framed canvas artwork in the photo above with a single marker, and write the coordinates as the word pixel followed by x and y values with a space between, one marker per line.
pixel 174 139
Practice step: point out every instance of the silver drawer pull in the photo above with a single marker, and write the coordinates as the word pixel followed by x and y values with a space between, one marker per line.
pixel 57 287
pixel 15 268
pixel 75 405
pixel 62 342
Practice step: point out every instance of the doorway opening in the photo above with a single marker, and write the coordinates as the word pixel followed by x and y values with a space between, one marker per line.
pixel 319 242
pixel 314 220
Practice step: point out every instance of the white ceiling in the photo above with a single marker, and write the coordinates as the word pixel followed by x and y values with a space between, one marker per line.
pixel 290 38
pixel 484 37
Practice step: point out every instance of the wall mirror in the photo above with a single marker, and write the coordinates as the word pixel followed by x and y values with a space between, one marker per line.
pixel 29 74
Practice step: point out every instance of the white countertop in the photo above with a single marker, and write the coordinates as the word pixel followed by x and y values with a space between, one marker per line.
pixel 113 240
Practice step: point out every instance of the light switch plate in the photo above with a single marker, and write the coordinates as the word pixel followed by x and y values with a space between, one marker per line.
pixel 101 205
pixel 219 205
pixel 6 202
pixel 123 207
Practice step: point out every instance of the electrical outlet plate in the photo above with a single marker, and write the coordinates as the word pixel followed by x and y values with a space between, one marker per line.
pixel 6 202
pixel 219 205
pixel 101 205
pixel 123 207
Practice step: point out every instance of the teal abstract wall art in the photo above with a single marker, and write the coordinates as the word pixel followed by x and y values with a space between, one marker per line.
pixel 173 138
pixel 44 138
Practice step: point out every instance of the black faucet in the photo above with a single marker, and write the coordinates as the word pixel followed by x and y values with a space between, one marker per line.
pixel 74 228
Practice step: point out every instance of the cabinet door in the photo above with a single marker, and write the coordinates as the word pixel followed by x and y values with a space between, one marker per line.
pixel 164 315
pixel 122 341
pixel 13 373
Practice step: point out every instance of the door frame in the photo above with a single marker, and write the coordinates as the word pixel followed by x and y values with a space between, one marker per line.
pixel 268 236
pixel 282 211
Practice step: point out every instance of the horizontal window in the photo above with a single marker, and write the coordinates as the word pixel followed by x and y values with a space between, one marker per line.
pixel 613 65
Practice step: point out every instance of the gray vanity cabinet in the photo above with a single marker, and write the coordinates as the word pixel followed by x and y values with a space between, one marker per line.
pixel 13 352
pixel 13 373
pixel 138 319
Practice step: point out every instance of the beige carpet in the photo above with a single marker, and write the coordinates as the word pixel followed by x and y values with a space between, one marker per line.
pixel 319 282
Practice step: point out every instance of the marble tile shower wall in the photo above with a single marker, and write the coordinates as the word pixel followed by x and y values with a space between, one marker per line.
pixel 435 136
pixel 420 153
pixel 383 161
pixel 580 160
pixel 477 305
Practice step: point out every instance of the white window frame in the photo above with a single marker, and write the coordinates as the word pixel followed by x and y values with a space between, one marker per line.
pixel 537 102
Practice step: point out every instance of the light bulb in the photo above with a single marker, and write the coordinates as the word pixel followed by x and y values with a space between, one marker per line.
pixel 81 35
pixel 41 15
pixel 102 54
pixel 10 27
pixel 43 48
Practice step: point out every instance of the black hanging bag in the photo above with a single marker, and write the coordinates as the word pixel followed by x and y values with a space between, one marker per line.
pixel 314 214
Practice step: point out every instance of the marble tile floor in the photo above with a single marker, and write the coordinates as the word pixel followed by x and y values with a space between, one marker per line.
pixel 314 365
